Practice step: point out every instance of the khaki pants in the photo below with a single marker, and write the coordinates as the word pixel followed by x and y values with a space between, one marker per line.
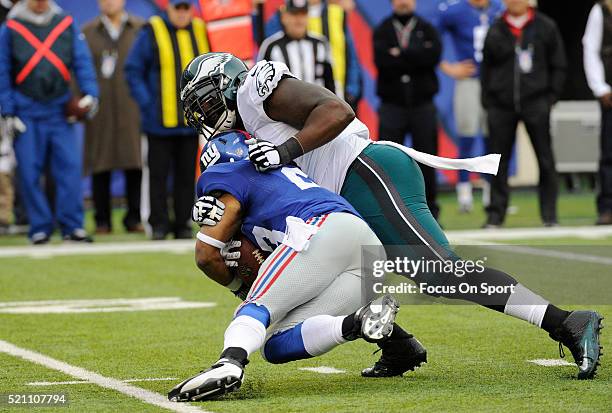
pixel 6 197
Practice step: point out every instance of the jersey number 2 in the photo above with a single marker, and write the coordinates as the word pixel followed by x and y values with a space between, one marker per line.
pixel 299 178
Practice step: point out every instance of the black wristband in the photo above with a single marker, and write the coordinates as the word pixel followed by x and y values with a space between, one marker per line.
pixel 290 150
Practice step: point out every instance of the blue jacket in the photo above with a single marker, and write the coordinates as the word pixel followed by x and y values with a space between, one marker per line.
pixel 13 102
pixel 353 84
pixel 143 78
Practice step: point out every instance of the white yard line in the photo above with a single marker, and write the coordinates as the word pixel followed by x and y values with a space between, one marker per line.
pixel 48 251
pixel 323 370
pixel 540 252
pixel 80 373
pixel 470 237
pixel 59 383
pixel 100 305
pixel 507 234
pixel 551 362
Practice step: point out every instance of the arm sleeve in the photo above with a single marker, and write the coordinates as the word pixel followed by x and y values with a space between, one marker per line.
pixel 7 103
pixel 558 64
pixel 137 64
pixel 591 43
pixel 83 65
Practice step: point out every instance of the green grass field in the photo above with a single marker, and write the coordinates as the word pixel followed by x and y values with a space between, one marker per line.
pixel 477 358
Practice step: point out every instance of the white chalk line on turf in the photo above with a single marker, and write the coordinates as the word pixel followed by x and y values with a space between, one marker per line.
pixel 100 305
pixel 48 251
pixel 58 383
pixel 323 370
pixel 540 252
pixel 551 362
pixel 502 234
pixel 139 393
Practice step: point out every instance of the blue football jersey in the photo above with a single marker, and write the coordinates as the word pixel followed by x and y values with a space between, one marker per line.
pixel 468 26
pixel 267 199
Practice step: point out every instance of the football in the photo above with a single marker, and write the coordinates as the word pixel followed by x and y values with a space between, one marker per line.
pixel 74 112
pixel 251 258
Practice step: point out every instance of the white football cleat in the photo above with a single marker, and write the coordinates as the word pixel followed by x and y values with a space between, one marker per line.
pixel 223 377
pixel 374 321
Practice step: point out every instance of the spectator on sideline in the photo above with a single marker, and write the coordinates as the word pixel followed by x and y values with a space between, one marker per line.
pixel 522 76
pixel 467 23
pixel 33 95
pixel 112 137
pixel 153 70
pixel 597 43
pixel 407 51
pixel 329 20
pixel 307 55
pixel 6 154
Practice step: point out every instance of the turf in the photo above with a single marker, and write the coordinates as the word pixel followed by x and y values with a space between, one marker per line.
pixel 477 358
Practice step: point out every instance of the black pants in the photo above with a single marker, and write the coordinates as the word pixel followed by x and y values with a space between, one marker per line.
pixel 177 154
pixel 101 188
pixel 502 135
pixel 421 122
pixel 604 199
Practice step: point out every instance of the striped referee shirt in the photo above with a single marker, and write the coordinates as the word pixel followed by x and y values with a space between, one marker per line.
pixel 309 59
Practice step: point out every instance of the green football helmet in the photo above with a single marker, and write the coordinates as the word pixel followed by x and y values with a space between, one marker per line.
pixel 209 88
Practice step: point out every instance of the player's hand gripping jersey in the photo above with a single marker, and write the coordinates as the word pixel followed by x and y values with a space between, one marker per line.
pixel 270 200
pixel 326 165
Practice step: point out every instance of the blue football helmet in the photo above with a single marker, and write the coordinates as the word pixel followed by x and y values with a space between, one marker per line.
pixel 225 147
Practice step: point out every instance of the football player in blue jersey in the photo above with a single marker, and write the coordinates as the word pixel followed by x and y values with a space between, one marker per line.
pixel 307 297
pixel 467 22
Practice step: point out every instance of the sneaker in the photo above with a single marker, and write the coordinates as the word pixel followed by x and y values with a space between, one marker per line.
pixel 78 235
pixel 40 238
pixel 398 357
pixel 580 334
pixel 223 377
pixel 464 197
pixel 605 218
pixel 374 321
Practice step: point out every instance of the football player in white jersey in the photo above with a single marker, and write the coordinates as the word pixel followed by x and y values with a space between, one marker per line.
pixel 294 121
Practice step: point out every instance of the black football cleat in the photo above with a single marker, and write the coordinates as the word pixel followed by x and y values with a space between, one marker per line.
pixel 374 321
pixel 399 355
pixel 579 332
pixel 225 376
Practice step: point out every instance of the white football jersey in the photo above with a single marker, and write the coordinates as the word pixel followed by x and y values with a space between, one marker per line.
pixel 326 165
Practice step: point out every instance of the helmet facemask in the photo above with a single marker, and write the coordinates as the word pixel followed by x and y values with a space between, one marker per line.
pixel 206 108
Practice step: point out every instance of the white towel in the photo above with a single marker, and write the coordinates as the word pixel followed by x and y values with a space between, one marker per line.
pixel 488 164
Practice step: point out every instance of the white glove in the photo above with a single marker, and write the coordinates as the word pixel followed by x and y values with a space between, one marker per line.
pixel 207 210
pixel 13 126
pixel 91 104
pixel 264 155
pixel 231 257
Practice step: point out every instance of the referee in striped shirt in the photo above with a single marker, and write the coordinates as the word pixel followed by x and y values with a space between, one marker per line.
pixel 306 54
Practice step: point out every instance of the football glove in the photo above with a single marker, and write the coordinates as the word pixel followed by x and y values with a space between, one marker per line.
pixel 264 155
pixel 91 104
pixel 12 126
pixel 231 257
pixel 207 210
